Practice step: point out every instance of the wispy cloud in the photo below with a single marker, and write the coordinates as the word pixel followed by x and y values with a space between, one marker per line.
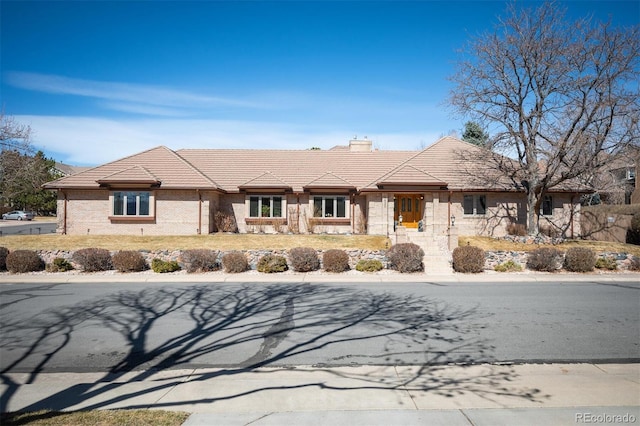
pixel 136 97
pixel 93 141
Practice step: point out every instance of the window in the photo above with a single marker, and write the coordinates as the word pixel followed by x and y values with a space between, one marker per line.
pixel 475 205
pixel 131 203
pixel 330 207
pixel 265 206
pixel 547 206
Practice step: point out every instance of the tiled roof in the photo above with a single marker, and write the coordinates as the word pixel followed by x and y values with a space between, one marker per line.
pixel 135 174
pixel 266 180
pixel 162 163
pixel 409 175
pixel 230 170
pixel 330 180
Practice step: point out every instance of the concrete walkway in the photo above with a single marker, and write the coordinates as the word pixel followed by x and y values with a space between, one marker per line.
pixel 527 394
pixel 549 394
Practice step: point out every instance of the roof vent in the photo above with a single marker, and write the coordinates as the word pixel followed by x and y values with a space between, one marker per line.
pixel 356 145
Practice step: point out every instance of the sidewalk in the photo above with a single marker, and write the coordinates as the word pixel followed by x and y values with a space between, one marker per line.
pixel 528 394
pixel 314 277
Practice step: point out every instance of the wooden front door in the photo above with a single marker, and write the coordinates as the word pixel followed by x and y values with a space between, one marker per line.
pixel 410 207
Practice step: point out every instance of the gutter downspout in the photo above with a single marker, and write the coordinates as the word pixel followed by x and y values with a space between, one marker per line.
pixel 64 214
pixel 199 211
pixel 449 211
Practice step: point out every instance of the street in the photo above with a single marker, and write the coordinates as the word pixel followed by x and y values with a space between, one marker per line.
pixel 14 227
pixel 116 327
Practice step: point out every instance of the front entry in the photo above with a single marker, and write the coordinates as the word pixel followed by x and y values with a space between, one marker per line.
pixel 410 207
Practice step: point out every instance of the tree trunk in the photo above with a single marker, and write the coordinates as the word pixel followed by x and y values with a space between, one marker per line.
pixel 533 213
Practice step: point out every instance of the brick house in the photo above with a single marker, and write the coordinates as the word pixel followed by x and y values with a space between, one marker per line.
pixel 346 189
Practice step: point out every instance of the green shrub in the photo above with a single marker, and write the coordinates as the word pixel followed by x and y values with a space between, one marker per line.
pixel 3 258
pixel 304 259
pixel 24 261
pixel 406 257
pixel 508 266
pixel 335 261
pixel 369 265
pixel 93 259
pixel 544 259
pixel 606 262
pixel 235 262
pixel 129 261
pixel 468 259
pixel 59 264
pixel 271 263
pixel 200 260
pixel 579 259
pixel 162 267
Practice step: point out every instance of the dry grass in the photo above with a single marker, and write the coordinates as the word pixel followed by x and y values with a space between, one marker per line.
pixel 493 244
pixel 97 418
pixel 219 241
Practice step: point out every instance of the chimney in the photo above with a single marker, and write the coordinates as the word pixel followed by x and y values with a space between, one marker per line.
pixel 356 145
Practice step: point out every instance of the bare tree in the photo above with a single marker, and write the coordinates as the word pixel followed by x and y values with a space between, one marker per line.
pixel 561 97
pixel 14 136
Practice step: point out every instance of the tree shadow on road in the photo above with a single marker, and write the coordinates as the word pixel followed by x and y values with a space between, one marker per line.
pixel 276 325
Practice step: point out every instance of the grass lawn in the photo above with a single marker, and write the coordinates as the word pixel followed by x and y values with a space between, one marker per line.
pixel 219 241
pixel 96 418
pixel 225 242
pixel 491 244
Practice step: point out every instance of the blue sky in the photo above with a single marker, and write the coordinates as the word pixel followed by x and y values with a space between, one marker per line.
pixel 100 80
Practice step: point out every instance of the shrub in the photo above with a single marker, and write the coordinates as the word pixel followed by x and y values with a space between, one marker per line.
pixel 3 258
pixel 633 233
pixel 93 259
pixel 271 263
pixel 129 261
pixel 225 221
pixel 468 259
pixel 235 262
pixel 517 229
pixel 335 260
pixel 579 259
pixel 406 257
pixel 59 264
pixel 550 231
pixel 508 266
pixel 200 260
pixel 161 266
pixel 369 265
pixel 304 259
pixel 544 259
pixel 24 261
pixel 606 262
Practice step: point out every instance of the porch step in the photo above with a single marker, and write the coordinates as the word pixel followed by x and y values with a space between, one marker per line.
pixel 437 257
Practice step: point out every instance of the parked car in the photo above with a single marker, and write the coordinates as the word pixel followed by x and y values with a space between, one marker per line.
pixel 18 215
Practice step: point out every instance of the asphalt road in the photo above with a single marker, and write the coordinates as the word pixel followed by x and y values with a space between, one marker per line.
pixel 26 227
pixel 118 326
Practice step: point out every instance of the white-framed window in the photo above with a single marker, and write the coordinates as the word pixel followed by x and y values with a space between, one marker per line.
pixel 546 208
pixel 475 205
pixel 335 206
pixel 131 203
pixel 265 206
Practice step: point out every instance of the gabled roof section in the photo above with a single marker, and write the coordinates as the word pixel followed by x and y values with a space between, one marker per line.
pixel 329 180
pixel 266 180
pixel 410 176
pixel 161 163
pixel 136 175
